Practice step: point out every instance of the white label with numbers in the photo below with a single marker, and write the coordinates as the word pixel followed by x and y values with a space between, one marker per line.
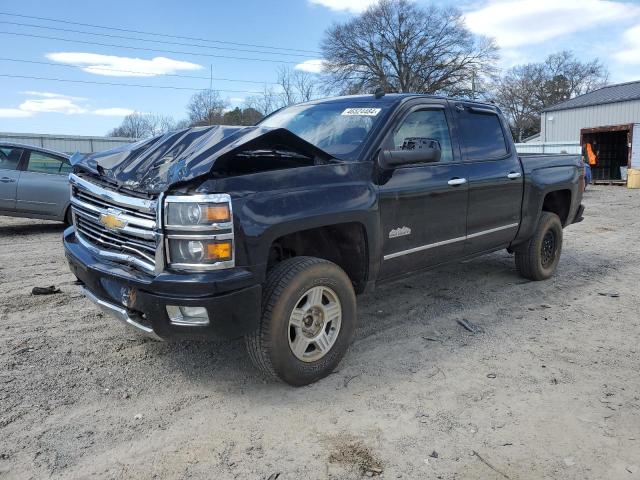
pixel 366 112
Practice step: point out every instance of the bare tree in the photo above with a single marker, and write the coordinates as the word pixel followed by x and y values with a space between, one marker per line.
pixel 160 124
pixel 264 102
pixel 206 108
pixel 293 86
pixel 133 125
pixel 516 95
pixel 402 47
pixel 306 85
pixel 525 90
pixel 182 124
pixel 285 81
pixel 296 85
pixel 566 77
pixel 143 125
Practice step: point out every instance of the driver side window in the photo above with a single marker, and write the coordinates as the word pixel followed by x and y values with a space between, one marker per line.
pixel 426 124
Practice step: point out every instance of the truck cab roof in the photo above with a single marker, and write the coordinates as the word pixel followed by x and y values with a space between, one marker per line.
pixel 391 99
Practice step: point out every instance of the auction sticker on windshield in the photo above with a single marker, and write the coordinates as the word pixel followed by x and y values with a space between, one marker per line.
pixel 367 112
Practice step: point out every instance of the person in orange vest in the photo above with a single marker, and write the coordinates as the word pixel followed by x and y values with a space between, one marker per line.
pixel 591 155
pixel 589 158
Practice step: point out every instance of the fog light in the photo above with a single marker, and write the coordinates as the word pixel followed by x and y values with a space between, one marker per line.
pixel 188 316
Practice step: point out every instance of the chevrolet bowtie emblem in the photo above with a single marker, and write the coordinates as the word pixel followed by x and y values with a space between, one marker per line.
pixel 112 221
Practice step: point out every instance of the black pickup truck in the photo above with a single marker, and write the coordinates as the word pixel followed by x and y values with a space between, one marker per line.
pixel 269 232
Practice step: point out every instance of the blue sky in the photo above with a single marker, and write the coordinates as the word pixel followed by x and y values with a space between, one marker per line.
pixel 525 30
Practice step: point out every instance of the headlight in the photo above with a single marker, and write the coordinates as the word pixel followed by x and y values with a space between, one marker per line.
pixel 202 251
pixel 193 214
pixel 199 232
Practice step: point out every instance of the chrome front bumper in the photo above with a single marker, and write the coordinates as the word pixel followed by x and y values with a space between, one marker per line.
pixel 121 314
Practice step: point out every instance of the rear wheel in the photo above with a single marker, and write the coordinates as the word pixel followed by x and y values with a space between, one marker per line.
pixel 538 258
pixel 308 320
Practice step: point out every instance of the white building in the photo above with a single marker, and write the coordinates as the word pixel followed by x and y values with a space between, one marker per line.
pixel 608 119
pixel 66 143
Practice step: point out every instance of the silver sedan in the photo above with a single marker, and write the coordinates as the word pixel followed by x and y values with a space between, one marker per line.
pixel 34 183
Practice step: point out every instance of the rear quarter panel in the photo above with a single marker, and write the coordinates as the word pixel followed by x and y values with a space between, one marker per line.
pixel 542 175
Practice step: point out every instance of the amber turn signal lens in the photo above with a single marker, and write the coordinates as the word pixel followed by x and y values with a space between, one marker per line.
pixel 216 213
pixel 219 251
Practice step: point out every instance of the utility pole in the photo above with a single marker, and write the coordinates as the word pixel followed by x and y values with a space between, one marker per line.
pixel 210 91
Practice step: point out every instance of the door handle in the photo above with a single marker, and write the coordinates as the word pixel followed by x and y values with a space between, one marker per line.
pixel 514 175
pixel 7 180
pixel 454 182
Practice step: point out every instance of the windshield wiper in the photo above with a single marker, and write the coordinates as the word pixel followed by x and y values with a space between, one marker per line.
pixel 274 152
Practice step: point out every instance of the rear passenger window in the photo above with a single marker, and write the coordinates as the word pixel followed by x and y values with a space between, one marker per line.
pixel 9 158
pixel 43 163
pixel 482 136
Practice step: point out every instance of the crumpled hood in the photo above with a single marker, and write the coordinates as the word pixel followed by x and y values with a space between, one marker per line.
pixel 153 165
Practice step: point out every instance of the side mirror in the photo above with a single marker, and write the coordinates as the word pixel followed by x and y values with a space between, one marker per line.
pixel 415 150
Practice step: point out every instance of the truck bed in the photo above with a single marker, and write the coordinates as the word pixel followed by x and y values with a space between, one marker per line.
pixel 535 161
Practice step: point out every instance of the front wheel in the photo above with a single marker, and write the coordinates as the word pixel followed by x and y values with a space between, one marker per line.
pixel 308 320
pixel 68 218
pixel 538 258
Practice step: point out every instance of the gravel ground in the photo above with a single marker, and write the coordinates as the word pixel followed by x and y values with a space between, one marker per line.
pixel 550 388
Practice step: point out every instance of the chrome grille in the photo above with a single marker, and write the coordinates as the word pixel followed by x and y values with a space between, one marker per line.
pixel 134 239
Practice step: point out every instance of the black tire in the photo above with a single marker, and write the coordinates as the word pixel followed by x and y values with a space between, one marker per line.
pixel 68 219
pixel 286 283
pixel 538 258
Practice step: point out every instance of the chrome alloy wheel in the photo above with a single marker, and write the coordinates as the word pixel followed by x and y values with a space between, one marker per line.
pixel 314 324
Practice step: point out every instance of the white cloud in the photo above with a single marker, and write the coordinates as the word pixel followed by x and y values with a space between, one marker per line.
pixel 33 93
pixel 113 112
pixel 353 6
pixel 311 66
pixel 51 105
pixel 114 66
pixel 237 100
pixel 49 102
pixel 630 53
pixel 515 23
pixel 13 113
pixel 510 57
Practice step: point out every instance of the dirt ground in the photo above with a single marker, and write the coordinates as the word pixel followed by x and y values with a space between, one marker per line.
pixel 549 389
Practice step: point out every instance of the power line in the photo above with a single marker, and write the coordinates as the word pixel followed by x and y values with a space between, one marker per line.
pixel 117 84
pixel 124 37
pixel 85 42
pixel 68 22
pixel 195 77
